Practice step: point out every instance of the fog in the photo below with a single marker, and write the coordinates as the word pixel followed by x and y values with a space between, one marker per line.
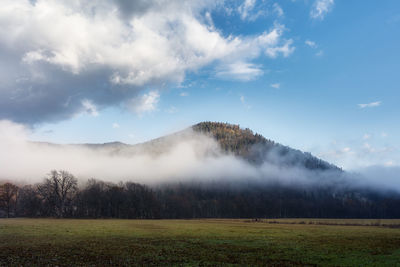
pixel 379 177
pixel 185 157
pixel 26 161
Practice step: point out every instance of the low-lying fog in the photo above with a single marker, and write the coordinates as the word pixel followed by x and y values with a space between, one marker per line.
pixel 190 157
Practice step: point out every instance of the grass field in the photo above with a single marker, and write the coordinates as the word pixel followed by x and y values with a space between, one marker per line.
pixel 198 242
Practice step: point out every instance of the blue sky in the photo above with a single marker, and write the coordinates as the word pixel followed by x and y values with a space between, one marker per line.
pixel 317 75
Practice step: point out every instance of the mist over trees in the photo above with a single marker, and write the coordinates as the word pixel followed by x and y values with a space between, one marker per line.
pixel 59 196
pixel 211 170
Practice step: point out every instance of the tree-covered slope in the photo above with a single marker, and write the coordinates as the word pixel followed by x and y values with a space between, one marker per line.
pixel 256 148
pixel 232 139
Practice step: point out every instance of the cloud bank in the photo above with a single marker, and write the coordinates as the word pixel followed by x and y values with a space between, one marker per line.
pixel 61 57
pixel 188 157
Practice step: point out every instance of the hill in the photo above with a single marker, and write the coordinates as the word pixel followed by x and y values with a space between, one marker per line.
pixel 256 149
pixel 243 143
pixel 209 170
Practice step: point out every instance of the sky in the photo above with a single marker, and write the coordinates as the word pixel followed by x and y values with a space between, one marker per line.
pixel 317 75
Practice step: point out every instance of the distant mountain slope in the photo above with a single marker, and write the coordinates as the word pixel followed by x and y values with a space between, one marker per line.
pixel 256 148
pixel 232 139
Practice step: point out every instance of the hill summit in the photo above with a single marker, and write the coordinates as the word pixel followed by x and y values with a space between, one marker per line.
pixel 257 149
pixel 231 139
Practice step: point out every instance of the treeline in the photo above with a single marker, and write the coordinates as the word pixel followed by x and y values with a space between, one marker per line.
pixel 59 196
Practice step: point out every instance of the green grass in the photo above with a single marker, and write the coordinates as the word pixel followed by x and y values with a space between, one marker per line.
pixel 393 223
pixel 196 243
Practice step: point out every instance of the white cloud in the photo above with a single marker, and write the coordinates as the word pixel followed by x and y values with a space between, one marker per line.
pixel 89 108
pixel 311 44
pixel 240 71
pixel 275 85
pixel 286 49
pixel 245 8
pixel 370 105
pixel 115 125
pixel 184 94
pixel 320 8
pixel 278 10
pixel 238 67
pixel 145 103
pixel 109 51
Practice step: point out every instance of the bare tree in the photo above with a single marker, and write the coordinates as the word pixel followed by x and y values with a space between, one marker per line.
pixel 8 197
pixel 58 191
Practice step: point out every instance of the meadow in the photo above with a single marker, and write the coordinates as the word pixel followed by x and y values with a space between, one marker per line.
pixel 211 242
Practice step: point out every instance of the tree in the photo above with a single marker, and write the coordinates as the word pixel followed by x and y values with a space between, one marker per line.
pixel 115 198
pixel 29 203
pixel 8 197
pixel 93 199
pixel 58 191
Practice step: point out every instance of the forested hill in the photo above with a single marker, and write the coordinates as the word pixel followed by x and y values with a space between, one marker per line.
pixel 256 148
pixel 232 139
pixel 271 193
